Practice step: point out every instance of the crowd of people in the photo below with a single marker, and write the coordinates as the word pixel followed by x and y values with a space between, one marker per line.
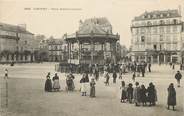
pixel 134 92
pixel 138 94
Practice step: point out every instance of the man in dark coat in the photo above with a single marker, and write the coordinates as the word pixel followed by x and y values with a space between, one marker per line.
pixel 143 96
pixel 151 94
pixel 171 99
pixel 178 77
pixel 114 76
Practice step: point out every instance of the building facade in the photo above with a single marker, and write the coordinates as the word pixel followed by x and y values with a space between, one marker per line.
pixel 57 50
pixel 16 44
pixel 92 43
pixel 182 48
pixel 157 37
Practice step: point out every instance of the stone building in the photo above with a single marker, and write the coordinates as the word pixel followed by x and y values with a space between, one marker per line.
pixel 182 47
pixel 57 50
pixel 156 36
pixel 16 44
pixel 93 43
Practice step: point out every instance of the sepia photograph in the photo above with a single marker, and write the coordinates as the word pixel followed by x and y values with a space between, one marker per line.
pixel 91 57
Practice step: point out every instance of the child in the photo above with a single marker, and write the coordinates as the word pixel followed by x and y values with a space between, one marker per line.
pixel 123 92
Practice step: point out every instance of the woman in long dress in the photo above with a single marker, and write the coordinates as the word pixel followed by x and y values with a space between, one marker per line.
pixel 152 95
pixel 92 87
pixel 69 82
pixel 171 99
pixel 123 92
pixel 84 84
pixel 56 85
pixel 48 83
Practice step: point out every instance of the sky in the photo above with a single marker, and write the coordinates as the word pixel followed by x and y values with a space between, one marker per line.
pixel 50 21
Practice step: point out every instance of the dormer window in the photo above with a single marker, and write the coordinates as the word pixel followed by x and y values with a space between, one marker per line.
pixel 168 15
pixel 161 15
pixel 154 15
pixel 162 22
pixel 148 23
pixel 149 16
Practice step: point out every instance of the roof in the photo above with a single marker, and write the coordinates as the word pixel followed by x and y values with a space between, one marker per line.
pixel 157 14
pixel 91 28
pixel 55 41
pixel 94 25
pixel 13 28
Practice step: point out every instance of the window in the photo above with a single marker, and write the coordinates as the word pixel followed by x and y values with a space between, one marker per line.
pixel 161 37
pixel 154 30
pixel 25 42
pixel 149 23
pixel 168 39
pixel 154 22
pixel 161 29
pixel 142 30
pixel 142 38
pixel 162 22
pixel 55 47
pixel 143 23
pixel 167 21
pixel 155 47
pixel 174 28
pixel 175 38
pixel 168 29
pixel 161 15
pixel 168 15
pixel 174 21
pixel 154 16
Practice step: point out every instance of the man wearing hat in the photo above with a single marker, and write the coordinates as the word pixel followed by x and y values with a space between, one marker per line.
pixel 178 77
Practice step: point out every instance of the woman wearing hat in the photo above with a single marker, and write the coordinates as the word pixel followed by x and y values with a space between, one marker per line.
pixel 171 99
pixel 48 83
pixel 56 85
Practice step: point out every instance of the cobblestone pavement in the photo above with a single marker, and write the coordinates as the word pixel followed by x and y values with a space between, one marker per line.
pixel 26 96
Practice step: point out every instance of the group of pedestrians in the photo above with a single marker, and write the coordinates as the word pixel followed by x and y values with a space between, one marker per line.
pixel 52 86
pixel 84 81
pixel 139 94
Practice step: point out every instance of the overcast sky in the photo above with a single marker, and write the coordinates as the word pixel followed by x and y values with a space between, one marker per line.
pixel 57 22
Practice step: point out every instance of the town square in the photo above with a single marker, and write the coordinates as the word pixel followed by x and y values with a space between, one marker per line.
pixel 95 58
pixel 34 100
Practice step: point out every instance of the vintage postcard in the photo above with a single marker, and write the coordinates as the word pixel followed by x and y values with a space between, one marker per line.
pixel 91 57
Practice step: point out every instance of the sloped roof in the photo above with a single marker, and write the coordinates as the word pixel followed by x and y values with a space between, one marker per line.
pixel 55 41
pixel 91 28
pixel 157 14
pixel 13 28
pixel 94 25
